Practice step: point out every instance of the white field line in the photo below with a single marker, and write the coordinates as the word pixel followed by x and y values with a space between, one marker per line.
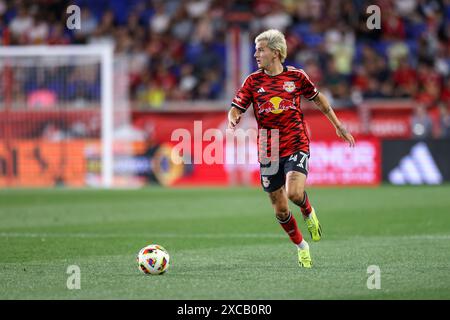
pixel 138 235
pixel 205 236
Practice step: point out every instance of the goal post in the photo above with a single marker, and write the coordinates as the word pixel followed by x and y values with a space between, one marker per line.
pixel 19 64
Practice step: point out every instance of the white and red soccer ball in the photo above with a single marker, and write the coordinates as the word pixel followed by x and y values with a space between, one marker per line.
pixel 153 259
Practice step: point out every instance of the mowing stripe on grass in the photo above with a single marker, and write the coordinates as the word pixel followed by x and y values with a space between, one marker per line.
pixel 206 235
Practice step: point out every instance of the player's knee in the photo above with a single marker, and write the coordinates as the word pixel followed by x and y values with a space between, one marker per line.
pixel 282 214
pixel 296 196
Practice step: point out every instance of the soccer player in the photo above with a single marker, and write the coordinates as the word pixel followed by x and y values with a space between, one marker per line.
pixel 275 92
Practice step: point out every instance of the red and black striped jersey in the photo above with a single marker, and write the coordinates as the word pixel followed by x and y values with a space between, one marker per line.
pixel 276 105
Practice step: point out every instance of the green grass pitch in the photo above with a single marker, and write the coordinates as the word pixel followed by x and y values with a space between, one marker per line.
pixel 224 244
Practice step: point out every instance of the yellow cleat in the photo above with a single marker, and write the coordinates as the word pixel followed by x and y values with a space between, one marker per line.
pixel 304 258
pixel 314 227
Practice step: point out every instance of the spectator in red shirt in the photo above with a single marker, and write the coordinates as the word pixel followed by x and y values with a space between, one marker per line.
pixel 405 78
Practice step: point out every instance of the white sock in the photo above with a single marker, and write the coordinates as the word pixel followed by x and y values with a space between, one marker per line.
pixel 303 244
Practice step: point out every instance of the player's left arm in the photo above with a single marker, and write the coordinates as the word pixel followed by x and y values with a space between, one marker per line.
pixel 323 104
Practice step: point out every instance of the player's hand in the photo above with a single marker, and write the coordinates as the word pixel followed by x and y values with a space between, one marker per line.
pixel 234 116
pixel 345 135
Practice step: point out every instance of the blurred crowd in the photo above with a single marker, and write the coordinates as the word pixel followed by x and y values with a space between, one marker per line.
pixel 177 48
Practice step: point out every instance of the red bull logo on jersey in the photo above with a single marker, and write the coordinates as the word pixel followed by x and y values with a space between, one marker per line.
pixel 289 86
pixel 276 105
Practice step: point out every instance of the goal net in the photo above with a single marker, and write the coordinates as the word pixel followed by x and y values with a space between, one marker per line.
pixel 59 108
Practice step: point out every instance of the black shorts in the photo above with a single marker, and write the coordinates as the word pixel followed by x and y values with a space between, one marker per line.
pixel 273 177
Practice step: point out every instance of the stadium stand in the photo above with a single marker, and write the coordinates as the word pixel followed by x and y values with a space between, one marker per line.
pixel 177 47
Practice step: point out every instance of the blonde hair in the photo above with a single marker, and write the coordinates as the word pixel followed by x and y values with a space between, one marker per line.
pixel 275 41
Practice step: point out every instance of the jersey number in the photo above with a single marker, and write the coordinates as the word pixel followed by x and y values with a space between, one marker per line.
pixel 301 164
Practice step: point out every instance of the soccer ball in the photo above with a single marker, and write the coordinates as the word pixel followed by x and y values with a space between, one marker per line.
pixel 153 259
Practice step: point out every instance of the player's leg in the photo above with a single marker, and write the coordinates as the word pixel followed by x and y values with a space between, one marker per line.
pixel 295 183
pixel 273 183
pixel 287 221
pixel 296 169
pixel 289 224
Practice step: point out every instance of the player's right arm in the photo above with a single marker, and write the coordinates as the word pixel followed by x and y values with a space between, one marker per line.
pixel 234 116
pixel 240 103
